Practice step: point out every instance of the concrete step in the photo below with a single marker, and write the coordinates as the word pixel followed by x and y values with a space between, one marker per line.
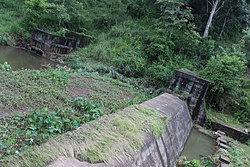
pixel 224 146
pixel 221 132
pixel 222 140
pixel 224 165
pixel 224 159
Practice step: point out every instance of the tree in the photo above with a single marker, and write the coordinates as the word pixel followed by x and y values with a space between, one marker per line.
pixel 174 13
pixel 230 18
pixel 209 22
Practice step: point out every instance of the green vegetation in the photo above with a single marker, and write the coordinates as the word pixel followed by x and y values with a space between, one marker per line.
pixel 226 74
pixel 239 154
pixel 124 130
pixel 52 103
pixel 134 42
pixel 21 131
pixel 204 162
pixel 215 116
pixel 26 90
pixel 29 89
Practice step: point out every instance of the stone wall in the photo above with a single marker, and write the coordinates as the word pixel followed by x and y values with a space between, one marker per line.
pixel 161 152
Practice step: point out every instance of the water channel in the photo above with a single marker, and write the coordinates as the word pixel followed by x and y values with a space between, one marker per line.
pixel 19 58
pixel 198 145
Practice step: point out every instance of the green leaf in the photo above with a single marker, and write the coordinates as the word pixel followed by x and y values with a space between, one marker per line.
pixel 3 145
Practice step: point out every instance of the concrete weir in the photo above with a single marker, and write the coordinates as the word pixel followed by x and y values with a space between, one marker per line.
pixel 161 152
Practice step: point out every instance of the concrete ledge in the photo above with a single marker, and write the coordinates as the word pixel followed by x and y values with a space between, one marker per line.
pixel 159 152
pixel 166 150
pixel 233 132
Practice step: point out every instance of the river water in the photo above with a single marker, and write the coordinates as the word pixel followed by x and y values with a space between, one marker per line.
pixel 198 145
pixel 19 58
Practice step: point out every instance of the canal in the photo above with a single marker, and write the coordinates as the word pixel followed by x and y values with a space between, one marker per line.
pixel 21 59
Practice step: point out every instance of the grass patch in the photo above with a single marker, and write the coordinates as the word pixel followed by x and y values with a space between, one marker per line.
pixel 112 94
pixel 29 89
pixel 112 137
pixel 239 154
pixel 45 96
pixel 26 90
pixel 215 116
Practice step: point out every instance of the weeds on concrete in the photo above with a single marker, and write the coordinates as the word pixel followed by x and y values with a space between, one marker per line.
pixel 113 138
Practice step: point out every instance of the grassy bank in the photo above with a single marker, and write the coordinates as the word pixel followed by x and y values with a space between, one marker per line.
pixel 37 105
pixel 215 116
pixel 53 88
pixel 239 154
pixel 93 142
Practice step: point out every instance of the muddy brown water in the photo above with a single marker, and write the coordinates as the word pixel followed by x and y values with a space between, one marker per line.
pixel 199 145
pixel 22 59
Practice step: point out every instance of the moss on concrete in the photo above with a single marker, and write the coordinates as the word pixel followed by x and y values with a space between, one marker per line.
pixel 112 137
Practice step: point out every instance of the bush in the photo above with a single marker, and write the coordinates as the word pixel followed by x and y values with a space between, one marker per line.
pixel 142 8
pixel 131 65
pixel 104 22
pixel 164 44
pixel 161 72
pixel 157 46
pixel 187 42
pixel 225 74
pixel 242 107
pixel 6 39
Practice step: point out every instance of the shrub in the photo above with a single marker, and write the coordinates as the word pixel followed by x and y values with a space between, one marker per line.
pixel 131 65
pixel 161 72
pixel 225 74
pixel 6 39
pixel 242 107
pixel 157 46
pixel 142 8
pixel 135 10
pixel 104 22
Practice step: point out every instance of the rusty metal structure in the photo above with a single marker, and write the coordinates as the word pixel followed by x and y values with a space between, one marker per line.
pixel 195 88
pixel 47 43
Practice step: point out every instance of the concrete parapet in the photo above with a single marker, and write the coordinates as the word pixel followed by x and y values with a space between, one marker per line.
pixel 155 152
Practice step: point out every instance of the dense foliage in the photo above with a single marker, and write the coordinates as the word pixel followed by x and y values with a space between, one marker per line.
pixel 143 39
pixel 226 72
pixel 147 38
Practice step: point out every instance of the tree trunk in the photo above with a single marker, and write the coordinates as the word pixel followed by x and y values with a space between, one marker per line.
pixel 224 24
pixel 209 22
